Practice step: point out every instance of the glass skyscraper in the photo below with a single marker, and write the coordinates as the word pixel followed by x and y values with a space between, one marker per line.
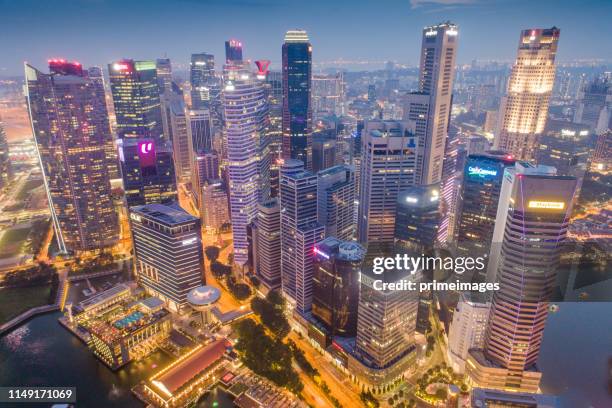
pixel 297 111
pixel 71 129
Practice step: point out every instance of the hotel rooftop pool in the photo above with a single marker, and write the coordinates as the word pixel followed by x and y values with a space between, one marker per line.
pixel 128 320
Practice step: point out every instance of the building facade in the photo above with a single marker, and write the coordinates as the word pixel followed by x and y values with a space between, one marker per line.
pixel 336 201
pixel 267 244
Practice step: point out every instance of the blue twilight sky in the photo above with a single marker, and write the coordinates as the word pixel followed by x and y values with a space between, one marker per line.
pixel 95 32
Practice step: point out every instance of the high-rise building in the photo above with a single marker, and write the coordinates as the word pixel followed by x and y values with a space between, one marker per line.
pixel 181 140
pixel 300 232
pixel 430 107
pixel 386 324
pixel 335 293
pixel 97 77
pixel 601 159
pixel 336 201
pixel 267 244
pixel 6 172
pixel 168 252
pixel 531 227
pixel 323 152
pixel 467 329
pixel 200 124
pixel 233 51
pixel 595 105
pixel 524 110
pixel 387 167
pixel 204 85
pixel 297 109
pixel 214 208
pixel 147 169
pixel 164 74
pixel 136 97
pixel 71 129
pixel 479 197
pixel 416 219
pixel 246 121
pixel 206 167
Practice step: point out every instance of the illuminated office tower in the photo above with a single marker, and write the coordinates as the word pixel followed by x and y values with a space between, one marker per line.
pixel 200 125
pixel 336 201
pixel 181 140
pixel 452 169
pixel 147 169
pixel 97 77
pixel 6 172
pixel 601 158
pixel 386 324
pixel 214 209
pixel 246 121
pixel 523 111
pixel 387 167
pixel 300 232
pixel 337 265
pixel 204 86
pixel 297 111
pixel 164 74
pixel 267 244
pixel 531 227
pixel 233 51
pixel 205 167
pixel 430 107
pixel 136 98
pixel 479 197
pixel 416 220
pixel 70 125
pixel 467 329
pixel 168 252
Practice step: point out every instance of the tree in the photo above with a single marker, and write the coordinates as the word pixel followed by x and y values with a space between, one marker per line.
pixel 240 291
pixel 271 312
pixel 212 253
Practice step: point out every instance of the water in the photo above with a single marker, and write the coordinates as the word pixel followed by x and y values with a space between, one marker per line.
pixel 576 348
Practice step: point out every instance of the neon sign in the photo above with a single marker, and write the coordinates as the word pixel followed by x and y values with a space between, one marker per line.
pixel 263 67
pixel 146 153
pixel 547 205
pixel 317 251
pixel 481 172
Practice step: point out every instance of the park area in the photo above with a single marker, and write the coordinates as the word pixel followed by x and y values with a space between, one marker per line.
pixel 13 240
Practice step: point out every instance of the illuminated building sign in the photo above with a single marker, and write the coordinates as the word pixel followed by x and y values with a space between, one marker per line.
pixel 146 153
pixel 189 241
pixel 263 67
pixel 317 251
pixel 121 66
pixel 481 172
pixel 547 205
pixel 412 200
pixel 135 217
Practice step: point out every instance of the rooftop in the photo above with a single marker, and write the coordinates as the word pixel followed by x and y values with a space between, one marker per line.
pixel 170 214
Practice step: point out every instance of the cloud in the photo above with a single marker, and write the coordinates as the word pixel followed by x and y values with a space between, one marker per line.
pixel 421 3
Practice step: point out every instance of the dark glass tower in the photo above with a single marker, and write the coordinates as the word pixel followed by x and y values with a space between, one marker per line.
pixel 335 294
pixel 136 99
pixel 202 79
pixel 71 128
pixel 297 113
pixel 233 51
pixel 416 219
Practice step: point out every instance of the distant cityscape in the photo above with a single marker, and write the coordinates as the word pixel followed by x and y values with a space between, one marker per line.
pixel 204 235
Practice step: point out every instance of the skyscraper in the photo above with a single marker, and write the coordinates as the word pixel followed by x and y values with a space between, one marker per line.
pixel 323 152
pixel 164 74
pixel 214 208
pixel 267 244
pixel 337 265
pixel 387 167
pixel 300 232
pixel 531 227
pixel 297 111
pixel 200 124
pixel 430 107
pixel 182 145
pixel 416 220
pixel 233 51
pixel 336 201
pixel 467 329
pixel 246 119
pixel 204 86
pixel 136 97
pixel 168 252
pixel 147 169
pixel 6 173
pixel 525 107
pixel 479 197
pixel 327 95
pixel 70 125
pixel 595 105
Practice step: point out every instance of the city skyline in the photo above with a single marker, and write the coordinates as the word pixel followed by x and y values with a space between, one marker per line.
pixel 260 25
